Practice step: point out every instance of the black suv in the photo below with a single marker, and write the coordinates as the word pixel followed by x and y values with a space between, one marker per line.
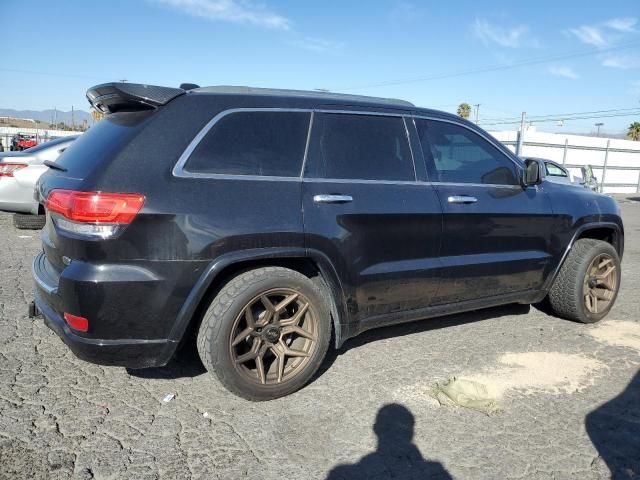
pixel 270 222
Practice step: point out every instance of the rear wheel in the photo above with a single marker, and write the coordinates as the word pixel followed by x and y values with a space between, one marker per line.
pixel 266 333
pixel 588 283
pixel 28 222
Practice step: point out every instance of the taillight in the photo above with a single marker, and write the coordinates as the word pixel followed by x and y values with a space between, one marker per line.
pixel 7 169
pixel 94 214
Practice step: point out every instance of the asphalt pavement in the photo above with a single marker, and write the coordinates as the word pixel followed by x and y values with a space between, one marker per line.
pixel 570 398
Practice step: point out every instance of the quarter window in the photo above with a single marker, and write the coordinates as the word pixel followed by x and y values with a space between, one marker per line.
pixel 253 143
pixel 366 147
pixel 555 170
pixel 455 154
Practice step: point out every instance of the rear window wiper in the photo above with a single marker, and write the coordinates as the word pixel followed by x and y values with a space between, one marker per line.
pixel 54 165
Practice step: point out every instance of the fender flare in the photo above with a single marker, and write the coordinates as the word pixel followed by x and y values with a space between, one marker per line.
pixel 581 229
pixel 208 277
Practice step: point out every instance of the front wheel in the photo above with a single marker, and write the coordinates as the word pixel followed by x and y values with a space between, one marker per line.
pixel 588 282
pixel 266 333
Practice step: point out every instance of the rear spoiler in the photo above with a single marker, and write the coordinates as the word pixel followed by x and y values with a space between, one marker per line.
pixel 115 96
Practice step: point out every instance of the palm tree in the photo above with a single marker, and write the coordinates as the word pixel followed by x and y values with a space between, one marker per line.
pixel 464 110
pixel 634 131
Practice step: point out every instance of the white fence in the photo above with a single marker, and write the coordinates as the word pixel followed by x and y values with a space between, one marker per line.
pixel 41 134
pixel 615 162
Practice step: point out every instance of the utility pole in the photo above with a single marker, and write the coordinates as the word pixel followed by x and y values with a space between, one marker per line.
pixel 521 134
pixel 73 121
pixel 477 105
pixel 598 125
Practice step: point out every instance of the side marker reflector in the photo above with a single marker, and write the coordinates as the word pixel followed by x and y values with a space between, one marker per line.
pixel 80 324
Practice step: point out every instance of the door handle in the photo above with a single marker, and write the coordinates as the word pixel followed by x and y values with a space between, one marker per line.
pixel 464 199
pixel 332 198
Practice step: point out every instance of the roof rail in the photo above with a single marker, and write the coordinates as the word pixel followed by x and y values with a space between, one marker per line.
pixel 241 90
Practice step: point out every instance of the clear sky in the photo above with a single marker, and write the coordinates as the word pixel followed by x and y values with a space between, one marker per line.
pixel 54 50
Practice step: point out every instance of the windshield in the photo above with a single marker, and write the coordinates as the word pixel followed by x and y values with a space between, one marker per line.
pixel 51 143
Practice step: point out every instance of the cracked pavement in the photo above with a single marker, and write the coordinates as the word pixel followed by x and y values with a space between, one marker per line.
pixel 63 418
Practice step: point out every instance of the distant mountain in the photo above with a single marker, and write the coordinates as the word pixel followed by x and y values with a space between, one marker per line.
pixel 48 116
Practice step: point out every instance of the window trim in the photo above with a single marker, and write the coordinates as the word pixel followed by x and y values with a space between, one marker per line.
pixel 180 171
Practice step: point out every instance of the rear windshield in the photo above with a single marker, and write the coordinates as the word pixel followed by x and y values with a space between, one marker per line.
pixel 101 142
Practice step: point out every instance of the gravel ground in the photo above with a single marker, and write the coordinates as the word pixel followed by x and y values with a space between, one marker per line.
pixel 570 400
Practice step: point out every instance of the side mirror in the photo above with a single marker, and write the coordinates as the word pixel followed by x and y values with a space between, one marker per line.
pixel 531 173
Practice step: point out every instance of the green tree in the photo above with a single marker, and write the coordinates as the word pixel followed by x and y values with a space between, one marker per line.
pixel 634 131
pixel 464 110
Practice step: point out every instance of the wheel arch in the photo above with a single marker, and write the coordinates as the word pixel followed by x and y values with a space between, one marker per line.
pixel 310 263
pixel 609 232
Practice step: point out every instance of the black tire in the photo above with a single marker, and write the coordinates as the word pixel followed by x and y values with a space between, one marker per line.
pixel 28 222
pixel 219 324
pixel 566 297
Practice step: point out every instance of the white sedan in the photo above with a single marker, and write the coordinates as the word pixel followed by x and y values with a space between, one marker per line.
pixel 19 172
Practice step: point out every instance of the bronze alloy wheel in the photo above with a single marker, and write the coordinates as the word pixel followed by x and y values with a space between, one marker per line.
pixel 274 336
pixel 600 284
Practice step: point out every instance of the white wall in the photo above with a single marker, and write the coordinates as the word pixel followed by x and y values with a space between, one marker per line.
pixel 555 146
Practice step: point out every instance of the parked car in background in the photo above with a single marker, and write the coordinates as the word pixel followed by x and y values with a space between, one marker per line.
pixel 23 141
pixel 554 172
pixel 589 180
pixel 19 172
pixel 275 222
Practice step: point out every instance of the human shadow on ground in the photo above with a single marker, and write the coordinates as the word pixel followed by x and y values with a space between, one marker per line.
pixel 396 455
pixel 614 429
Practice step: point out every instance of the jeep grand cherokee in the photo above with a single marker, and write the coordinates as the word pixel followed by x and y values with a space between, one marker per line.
pixel 271 221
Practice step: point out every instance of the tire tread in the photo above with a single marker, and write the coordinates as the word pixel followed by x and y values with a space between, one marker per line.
pixel 211 327
pixel 565 295
pixel 28 222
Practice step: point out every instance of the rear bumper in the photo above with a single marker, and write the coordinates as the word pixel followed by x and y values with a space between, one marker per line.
pixel 16 198
pixel 125 352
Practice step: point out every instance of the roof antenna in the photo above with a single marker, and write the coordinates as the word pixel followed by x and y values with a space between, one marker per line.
pixel 188 86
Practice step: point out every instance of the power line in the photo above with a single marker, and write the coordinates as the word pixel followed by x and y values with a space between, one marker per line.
pixel 564 115
pixel 573 116
pixel 494 68
pixel 50 74
pixel 557 119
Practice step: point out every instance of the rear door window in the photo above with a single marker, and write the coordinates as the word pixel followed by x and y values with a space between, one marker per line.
pixel 366 147
pixel 455 154
pixel 253 143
